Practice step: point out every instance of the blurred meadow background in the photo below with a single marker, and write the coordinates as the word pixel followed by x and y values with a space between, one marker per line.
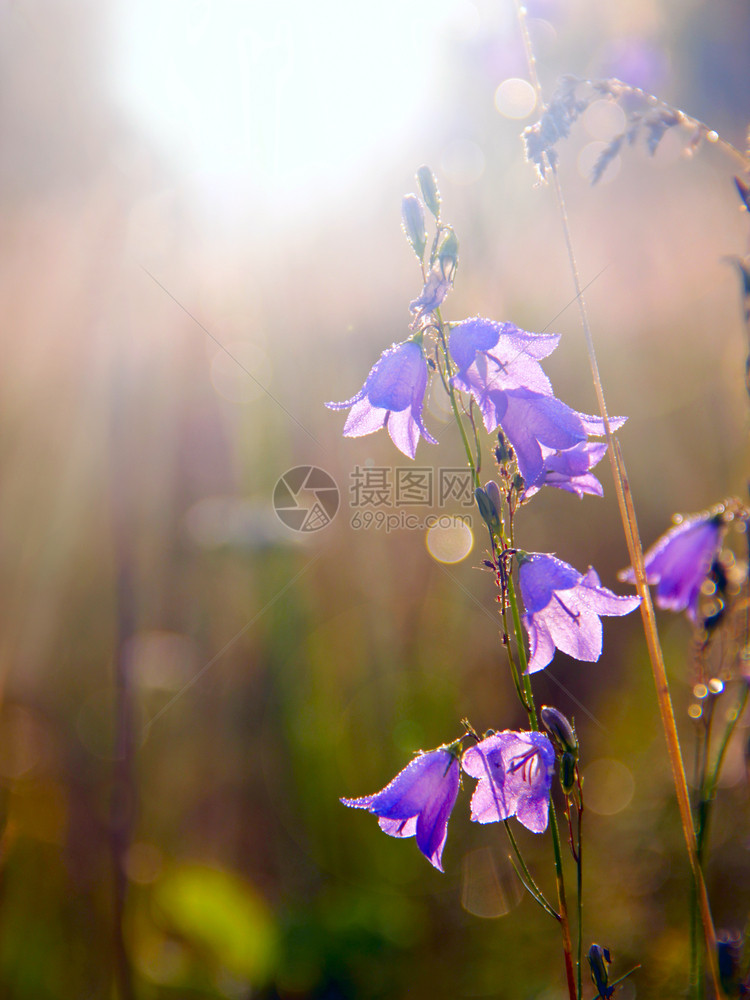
pixel 201 245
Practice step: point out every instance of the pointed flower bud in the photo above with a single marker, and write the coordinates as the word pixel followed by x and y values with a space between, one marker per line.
pixel 487 508
pixel 493 492
pixel 428 187
pixel 729 947
pixel 562 733
pixel 448 255
pixel 568 773
pixel 412 220
pixel 599 961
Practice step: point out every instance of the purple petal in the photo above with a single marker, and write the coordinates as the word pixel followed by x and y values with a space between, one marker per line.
pixel 531 420
pixel 540 575
pixel 391 383
pixel 595 425
pixel 679 562
pixel 364 418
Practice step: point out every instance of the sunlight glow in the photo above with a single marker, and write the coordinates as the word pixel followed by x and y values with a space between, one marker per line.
pixel 265 96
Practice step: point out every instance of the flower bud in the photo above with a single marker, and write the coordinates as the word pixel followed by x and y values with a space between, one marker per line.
pixel 487 510
pixel 493 492
pixel 412 220
pixel 599 961
pixel 448 255
pixel 729 954
pixel 504 454
pixel 428 187
pixel 568 773
pixel 562 733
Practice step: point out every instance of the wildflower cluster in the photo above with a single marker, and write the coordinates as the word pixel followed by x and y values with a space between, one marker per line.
pixel 492 374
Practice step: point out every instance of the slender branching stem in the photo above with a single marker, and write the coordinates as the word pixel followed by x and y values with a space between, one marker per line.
pixel 527 701
pixel 521 869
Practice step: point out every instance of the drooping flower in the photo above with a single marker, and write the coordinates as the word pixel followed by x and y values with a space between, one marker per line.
pixel 392 397
pixel 498 364
pixel 515 774
pixel 418 802
pixel 680 561
pixel 563 609
pixel 571 469
pixel 503 355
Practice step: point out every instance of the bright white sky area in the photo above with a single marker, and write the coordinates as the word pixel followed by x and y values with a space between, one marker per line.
pixel 283 97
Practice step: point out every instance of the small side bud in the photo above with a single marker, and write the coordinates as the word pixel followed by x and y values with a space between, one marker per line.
pixel 562 732
pixel 448 255
pixel 493 492
pixel 412 220
pixel 729 948
pixel 428 187
pixel 487 510
pixel 599 961
pixel 568 773
pixel 504 453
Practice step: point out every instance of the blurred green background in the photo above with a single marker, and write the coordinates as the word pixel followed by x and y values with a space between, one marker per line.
pixel 188 686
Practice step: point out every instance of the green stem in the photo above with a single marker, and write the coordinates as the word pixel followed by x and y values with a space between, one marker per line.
pixel 525 679
pixel 529 884
pixel 526 685
pixel 579 887
pixel 563 906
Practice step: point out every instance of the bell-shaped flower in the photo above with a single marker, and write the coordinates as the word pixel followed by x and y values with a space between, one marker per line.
pixel 563 609
pixel 498 365
pixel 571 469
pixel 418 801
pixel 392 397
pixel 515 774
pixel 680 561
pixel 500 355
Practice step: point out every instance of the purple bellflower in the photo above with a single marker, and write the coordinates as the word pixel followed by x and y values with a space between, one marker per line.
pixel 515 774
pixel 498 364
pixel 563 609
pixel 392 397
pixel 571 469
pixel 680 561
pixel 418 801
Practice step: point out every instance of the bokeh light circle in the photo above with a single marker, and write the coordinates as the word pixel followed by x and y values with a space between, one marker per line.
pixel 515 98
pixel 609 786
pixel 449 541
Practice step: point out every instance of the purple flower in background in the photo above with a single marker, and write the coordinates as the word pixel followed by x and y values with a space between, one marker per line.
pixel 515 774
pixel 391 397
pixel 563 609
pixel 570 469
pixel 418 801
pixel 680 561
pixel 498 364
